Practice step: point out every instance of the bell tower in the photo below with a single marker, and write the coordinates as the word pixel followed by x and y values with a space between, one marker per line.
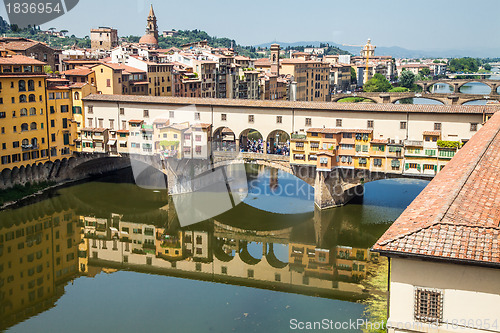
pixel 275 59
pixel 152 26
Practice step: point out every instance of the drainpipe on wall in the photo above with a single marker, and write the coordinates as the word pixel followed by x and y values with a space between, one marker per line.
pixel 388 286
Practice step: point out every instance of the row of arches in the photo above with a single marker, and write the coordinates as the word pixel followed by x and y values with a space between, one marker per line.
pixel 470 87
pixel 253 253
pixel 251 140
pixel 41 171
pixel 428 99
pixel 30 98
pixel 33 126
pixel 24 112
pixel 30 87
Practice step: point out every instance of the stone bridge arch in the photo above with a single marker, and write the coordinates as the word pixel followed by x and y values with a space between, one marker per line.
pixel 486 84
pixel 224 139
pixel 426 96
pixel 427 85
pixel 361 95
pixel 277 140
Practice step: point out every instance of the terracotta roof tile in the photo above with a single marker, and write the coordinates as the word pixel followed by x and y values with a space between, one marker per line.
pixel 327 106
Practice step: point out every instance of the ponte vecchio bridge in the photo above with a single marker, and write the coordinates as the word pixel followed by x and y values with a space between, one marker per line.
pixel 397 123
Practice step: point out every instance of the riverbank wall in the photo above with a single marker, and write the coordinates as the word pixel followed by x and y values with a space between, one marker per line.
pixel 74 168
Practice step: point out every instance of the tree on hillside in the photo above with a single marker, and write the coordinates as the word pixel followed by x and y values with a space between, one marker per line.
pixel 378 83
pixel 407 79
pixel 463 65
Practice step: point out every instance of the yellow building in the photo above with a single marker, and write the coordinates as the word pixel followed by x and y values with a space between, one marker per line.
pixel 169 245
pixel 78 91
pixel 61 127
pixel 172 140
pixel 160 79
pixel 23 116
pixel 312 78
pixel 108 79
pixel 362 140
pixel 38 256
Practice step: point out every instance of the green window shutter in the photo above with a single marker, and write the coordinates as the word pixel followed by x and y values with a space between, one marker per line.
pixel 358 148
pixel 407 166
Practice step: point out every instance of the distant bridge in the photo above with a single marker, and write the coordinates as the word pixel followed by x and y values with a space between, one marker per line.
pixel 446 99
pixel 456 84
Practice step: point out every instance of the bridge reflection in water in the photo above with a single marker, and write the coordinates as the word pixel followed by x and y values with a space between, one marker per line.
pixel 45 245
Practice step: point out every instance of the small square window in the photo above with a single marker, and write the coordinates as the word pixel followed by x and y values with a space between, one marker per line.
pixel 473 127
pixel 437 126
pixel 338 123
pixel 251 118
pixel 428 305
pixel 223 117
pixel 308 122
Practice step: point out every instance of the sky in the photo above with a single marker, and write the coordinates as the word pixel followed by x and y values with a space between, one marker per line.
pixel 418 25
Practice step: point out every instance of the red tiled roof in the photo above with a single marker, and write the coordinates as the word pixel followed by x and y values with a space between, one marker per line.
pixel 79 71
pixel 20 60
pixel 135 121
pixel 338 130
pixel 457 215
pixel 326 106
pixel 433 133
pixel 378 141
pixel 123 67
pixel 19 45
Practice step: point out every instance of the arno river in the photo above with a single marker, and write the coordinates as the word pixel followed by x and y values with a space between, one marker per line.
pixel 109 256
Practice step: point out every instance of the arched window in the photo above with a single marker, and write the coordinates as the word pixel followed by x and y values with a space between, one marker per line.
pixel 25 142
pixel 22 85
pixel 31 85
pixel 24 112
pixel 32 98
pixel 22 98
pixel 32 112
pixel 24 127
pixel 33 126
pixel 77 95
pixel 34 142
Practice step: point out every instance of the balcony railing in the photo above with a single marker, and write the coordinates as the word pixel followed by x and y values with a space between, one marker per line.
pixel 29 147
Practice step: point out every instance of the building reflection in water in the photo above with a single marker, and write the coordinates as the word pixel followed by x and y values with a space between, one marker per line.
pixel 45 245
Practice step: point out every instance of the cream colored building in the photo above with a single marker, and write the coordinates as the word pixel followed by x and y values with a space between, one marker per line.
pixel 389 122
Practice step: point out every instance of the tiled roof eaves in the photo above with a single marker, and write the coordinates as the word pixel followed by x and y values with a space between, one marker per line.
pixel 319 106
pixel 390 253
